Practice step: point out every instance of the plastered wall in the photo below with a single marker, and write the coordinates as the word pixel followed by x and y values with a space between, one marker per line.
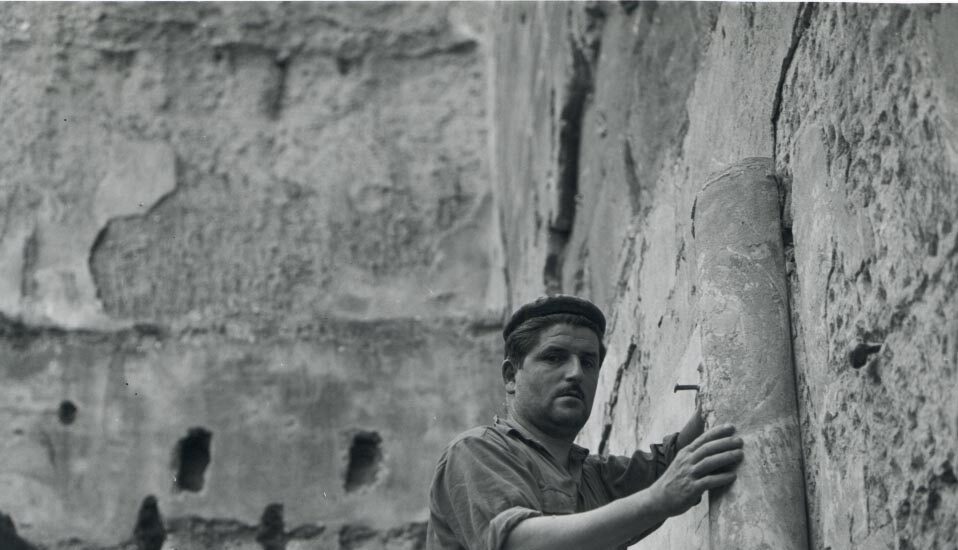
pixel 297 226
pixel 269 224
pixel 613 115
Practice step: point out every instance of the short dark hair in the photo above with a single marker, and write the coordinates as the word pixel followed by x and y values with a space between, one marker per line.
pixel 526 336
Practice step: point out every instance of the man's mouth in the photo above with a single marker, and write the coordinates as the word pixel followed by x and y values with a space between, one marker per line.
pixel 573 392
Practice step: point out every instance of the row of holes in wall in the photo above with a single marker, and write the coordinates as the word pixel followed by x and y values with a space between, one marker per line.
pixel 191 456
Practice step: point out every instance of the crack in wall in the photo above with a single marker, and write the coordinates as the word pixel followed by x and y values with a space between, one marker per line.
pixel 791 277
pixel 28 285
pixel 465 46
pixel 571 115
pixel 631 177
pixel 614 399
pixel 627 264
pixel 803 20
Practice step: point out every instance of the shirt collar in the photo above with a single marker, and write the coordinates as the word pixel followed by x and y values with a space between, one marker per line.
pixel 509 427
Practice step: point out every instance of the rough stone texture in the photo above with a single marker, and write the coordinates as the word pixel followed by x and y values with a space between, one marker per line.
pixel 280 160
pixel 273 222
pixel 276 222
pixel 867 134
pixel 857 105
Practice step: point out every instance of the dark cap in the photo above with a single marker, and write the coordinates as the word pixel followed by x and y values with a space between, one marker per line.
pixel 552 305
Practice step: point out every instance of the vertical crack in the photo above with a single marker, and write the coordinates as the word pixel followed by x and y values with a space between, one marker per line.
pixel 28 284
pixel 578 88
pixel 803 20
pixel 631 177
pixel 614 399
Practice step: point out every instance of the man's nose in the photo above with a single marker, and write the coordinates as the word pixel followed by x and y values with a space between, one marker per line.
pixel 573 368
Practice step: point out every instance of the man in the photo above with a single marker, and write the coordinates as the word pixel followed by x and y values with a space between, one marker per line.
pixel 522 484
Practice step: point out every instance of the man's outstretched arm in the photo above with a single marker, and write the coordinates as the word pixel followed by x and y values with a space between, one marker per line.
pixel 697 468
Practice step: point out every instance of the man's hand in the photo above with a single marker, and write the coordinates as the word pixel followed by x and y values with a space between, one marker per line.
pixel 702 465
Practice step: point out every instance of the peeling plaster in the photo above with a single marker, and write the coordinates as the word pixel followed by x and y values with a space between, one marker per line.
pixel 63 292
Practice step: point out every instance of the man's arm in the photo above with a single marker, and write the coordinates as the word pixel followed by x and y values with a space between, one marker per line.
pixel 694 471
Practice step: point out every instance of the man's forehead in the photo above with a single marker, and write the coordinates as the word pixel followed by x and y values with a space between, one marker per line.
pixel 565 335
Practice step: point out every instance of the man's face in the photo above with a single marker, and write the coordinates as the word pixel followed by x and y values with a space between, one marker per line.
pixel 555 386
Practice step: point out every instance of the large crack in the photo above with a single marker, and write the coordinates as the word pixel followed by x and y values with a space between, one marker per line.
pixel 803 20
pixel 614 399
pixel 578 88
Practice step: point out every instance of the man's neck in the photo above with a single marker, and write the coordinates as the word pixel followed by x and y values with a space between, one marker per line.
pixel 558 447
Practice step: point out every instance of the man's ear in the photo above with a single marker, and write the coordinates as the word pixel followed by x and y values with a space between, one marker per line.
pixel 509 370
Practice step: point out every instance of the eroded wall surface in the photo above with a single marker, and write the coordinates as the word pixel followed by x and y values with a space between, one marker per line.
pixel 256 254
pixel 610 118
pixel 868 137
pixel 249 258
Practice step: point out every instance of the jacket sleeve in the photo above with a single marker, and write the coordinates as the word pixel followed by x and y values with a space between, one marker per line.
pixel 624 475
pixel 480 492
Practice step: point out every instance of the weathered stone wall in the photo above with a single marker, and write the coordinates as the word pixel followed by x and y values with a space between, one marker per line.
pixel 867 135
pixel 610 117
pixel 269 226
pixel 245 246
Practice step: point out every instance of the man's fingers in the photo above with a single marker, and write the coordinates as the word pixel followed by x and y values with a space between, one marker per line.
pixel 717 480
pixel 717 432
pixel 717 446
pixel 717 462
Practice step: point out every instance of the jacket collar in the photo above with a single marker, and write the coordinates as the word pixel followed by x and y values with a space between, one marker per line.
pixel 509 427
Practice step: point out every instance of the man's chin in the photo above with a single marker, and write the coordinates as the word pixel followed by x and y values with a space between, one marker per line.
pixel 571 419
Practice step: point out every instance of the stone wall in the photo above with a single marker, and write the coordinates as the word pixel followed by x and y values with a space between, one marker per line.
pixel 249 258
pixel 867 136
pixel 611 116
pixel 253 257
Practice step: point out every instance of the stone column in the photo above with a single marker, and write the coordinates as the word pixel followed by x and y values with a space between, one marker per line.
pixel 748 375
